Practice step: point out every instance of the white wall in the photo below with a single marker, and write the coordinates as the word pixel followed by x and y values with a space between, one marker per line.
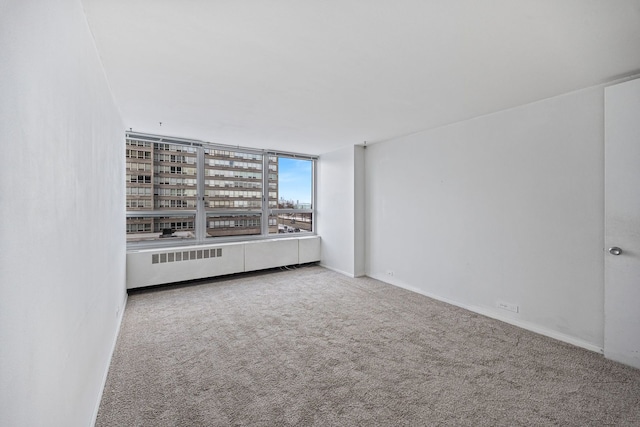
pixel 62 248
pixel 340 212
pixel 505 207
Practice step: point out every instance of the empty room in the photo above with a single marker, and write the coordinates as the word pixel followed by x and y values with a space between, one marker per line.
pixel 320 213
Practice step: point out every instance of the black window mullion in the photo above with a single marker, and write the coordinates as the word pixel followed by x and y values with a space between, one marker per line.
pixel 264 220
pixel 201 215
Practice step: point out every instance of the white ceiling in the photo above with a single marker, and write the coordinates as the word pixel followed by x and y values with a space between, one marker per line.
pixel 312 76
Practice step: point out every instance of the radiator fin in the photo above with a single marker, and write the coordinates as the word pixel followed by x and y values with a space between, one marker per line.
pixel 185 255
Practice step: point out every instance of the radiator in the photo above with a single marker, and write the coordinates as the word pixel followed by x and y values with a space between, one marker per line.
pixel 158 266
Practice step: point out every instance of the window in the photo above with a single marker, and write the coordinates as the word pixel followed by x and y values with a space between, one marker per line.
pixel 294 194
pixel 232 225
pixel 153 227
pixel 192 191
pixel 232 192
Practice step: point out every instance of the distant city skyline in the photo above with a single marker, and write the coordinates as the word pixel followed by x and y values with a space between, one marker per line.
pixel 294 180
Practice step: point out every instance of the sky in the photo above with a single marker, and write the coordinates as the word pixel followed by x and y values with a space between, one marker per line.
pixel 294 179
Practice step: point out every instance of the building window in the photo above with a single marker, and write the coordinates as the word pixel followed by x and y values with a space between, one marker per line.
pixel 293 212
pixel 194 191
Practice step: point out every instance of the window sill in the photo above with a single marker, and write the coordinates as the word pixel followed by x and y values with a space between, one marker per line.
pixel 188 243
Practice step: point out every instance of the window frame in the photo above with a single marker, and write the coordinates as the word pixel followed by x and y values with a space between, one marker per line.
pixel 201 213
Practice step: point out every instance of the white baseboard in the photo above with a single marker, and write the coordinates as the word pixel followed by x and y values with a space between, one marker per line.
pixel 337 270
pixel 113 348
pixel 494 315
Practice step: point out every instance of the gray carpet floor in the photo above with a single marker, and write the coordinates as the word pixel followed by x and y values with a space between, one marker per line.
pixel 310 347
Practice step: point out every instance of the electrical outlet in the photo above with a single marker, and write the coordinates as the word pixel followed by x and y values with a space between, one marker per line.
pixel 389 272
pixel 508 307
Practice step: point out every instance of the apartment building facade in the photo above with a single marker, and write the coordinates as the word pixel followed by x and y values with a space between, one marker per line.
pixel 164 190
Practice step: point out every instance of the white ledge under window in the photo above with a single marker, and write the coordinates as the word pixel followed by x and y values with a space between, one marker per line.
pixel 180 239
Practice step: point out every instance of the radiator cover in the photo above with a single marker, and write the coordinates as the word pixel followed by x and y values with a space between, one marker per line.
pixel 158 266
